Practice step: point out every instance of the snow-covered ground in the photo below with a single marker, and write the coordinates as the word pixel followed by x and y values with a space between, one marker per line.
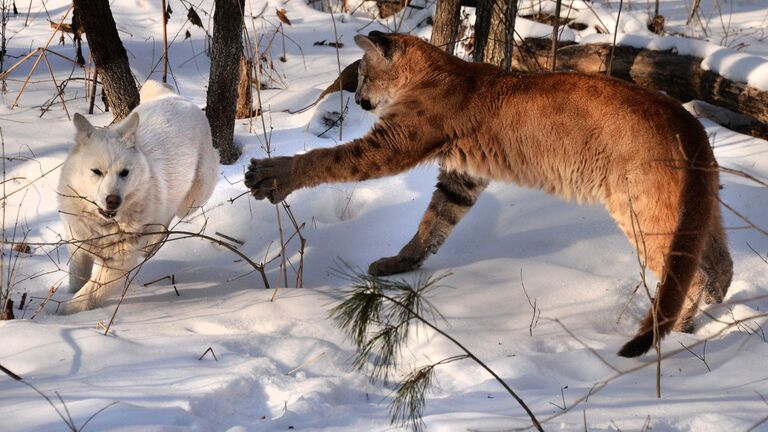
pixel 282 364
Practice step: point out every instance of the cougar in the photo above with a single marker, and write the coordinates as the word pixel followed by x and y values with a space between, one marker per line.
pixel 590 138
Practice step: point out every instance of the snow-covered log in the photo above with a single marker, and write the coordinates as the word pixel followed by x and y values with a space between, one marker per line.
pixel 680 76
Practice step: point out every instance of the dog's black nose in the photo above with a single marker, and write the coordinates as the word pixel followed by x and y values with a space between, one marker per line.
pixel 366 104
pixel 113 202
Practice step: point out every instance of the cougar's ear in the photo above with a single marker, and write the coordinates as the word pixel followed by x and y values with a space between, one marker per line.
pixel 128 129
pixel 377 44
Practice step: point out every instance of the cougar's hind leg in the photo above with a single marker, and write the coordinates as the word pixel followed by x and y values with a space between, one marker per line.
pixel 455 194
pixel 650 222
pixel 717 262
pixel 713 277
pixel 691 305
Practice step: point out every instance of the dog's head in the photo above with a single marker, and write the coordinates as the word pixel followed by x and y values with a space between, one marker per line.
pixel 385 68
pixel 106 169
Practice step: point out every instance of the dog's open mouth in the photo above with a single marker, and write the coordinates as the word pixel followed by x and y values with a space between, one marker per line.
pixel 108 214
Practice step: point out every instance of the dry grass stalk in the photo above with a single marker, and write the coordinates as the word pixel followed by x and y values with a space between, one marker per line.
pixel 267 135
pixel 64 412
pixel 165 40
pixel 639 238
pixel 40 56
pixel 338 66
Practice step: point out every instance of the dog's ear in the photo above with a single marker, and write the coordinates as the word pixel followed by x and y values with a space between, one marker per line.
pixel 128 128
pixel 82 124
pixel 84 129
pixel 376 44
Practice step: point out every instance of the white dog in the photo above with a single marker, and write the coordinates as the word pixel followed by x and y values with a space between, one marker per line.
pixel 121 187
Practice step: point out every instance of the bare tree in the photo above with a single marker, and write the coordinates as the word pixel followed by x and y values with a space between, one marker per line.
pixel 494 29
pixel 446 25
pixel 494 32
pixel 226 50
pixel 109 55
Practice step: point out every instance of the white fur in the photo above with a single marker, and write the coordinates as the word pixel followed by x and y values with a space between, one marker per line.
pixel 152 90
pixel 165 144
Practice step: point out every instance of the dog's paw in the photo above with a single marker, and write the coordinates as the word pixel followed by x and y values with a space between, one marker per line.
pixel 73 306
pixel 270 178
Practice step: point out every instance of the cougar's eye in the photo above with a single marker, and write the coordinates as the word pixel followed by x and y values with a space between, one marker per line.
pixel 97 172
pixel 124 173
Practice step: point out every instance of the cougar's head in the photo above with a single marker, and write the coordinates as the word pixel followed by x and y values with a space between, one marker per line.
pixel 378 76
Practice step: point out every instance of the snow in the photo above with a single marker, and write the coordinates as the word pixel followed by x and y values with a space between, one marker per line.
pixel 282 364
pixel 734 65
pixel 730 62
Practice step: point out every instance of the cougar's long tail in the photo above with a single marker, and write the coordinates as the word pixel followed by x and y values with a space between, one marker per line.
pixel 697 200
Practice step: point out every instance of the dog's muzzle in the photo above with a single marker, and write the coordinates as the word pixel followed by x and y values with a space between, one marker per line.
pixel 113 203
pixel 108 214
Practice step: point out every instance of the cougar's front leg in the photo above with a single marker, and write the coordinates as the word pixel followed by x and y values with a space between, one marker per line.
pixel 394 145
pixel 455 194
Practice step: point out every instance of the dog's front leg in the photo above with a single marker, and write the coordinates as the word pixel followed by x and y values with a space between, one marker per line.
pixel 80 267
pixel 108 276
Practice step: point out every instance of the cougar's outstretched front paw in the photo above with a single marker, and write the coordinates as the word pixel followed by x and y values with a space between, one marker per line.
pixel 270 178
pixel 393 265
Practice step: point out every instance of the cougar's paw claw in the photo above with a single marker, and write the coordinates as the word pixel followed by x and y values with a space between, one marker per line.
pixel 269 178
pixel 393 265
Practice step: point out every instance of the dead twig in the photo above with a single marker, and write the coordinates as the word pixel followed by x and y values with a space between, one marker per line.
pixel 209 350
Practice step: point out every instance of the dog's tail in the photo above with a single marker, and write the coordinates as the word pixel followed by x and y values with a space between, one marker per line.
pixel 152 90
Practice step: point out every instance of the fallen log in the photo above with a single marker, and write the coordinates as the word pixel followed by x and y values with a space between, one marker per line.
pixel 679 76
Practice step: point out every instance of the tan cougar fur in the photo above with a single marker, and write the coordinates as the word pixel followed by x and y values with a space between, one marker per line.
pixel 583 137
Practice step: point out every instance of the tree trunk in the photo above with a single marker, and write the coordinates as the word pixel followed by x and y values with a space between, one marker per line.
pixel 679 76
pixel 7 310
pixel 226 50
pixel 494 49
pixel 445 27
pixel 483 14
pixel 244 94
pixel 109 55
pixel 494 32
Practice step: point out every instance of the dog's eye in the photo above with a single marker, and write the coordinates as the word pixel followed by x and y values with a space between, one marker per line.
pixel 124 173
pixel 97 172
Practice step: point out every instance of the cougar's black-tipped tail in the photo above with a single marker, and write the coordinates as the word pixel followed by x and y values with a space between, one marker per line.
pixel 638 346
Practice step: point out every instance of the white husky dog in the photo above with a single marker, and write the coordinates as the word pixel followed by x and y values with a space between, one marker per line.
pixel 121 187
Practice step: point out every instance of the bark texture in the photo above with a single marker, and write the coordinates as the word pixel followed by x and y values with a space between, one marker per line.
pixel 494 32
pixel 244 93
pixel 7 311
pixel 446 25
pixel 226 50
pixel 109 55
